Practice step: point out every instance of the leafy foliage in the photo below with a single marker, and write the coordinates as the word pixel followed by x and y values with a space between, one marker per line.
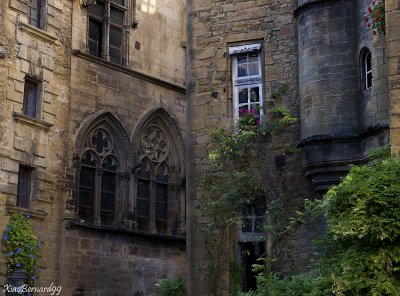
pixel 173 286
pixel 232 182
pixel 22 246
pixel 376 17
pixel 361 251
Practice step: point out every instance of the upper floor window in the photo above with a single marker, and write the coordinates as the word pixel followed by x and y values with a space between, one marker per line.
pixel 366 68
pixel 32 97
pixel 107 20
pixel 24 186
pixel 36 13
pixel 98 178
pixel 247 80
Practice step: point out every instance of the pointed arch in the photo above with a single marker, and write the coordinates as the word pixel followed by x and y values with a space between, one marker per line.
pixel 160 197
pixel 111 123
pixel 161 117
pixel 103 158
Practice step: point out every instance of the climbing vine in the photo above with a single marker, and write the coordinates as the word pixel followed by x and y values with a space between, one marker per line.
pixel 22 247
pixel 233 182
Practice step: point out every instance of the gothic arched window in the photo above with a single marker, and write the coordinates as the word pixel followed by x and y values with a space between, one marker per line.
pixel 156 190
pixel 98 178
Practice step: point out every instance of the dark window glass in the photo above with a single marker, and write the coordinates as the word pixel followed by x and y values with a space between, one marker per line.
pixel 34 12
pixel 143 203
pixel 95 37
pixel 107 198
pixel 30 98
pixel 161 207
pixel 115 45
pixel 86 193
pixel 24 186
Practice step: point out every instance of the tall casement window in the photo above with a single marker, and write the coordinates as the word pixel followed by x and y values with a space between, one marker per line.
pixel 366 69
pixel 37 13
pixel 158 189
pixel 32 97
pixel 24 186
pixel 98 178
pixel 247 80
pixel 106 27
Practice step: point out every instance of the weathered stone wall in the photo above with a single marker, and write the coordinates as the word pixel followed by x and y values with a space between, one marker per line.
pixel 35 142
pixel 393 68
pixel 374 102
pixel 155 46
pixel 99 260
pixel 107 263
pixel 214 26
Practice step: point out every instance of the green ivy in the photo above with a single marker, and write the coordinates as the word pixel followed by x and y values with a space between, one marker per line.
pixel 233 182
pixel 360 253
pixel 22 246
pixel 172 286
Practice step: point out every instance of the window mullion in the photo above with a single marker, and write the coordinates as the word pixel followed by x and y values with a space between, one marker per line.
pixel 152 206
pixel 106 28
pixel 97 196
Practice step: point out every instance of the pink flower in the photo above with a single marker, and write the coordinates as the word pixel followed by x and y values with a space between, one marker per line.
pixel 373 2
pixel 366 18
pixel 374 32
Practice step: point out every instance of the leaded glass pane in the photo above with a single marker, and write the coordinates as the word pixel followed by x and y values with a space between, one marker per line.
pixel 120 2
pixel 115 45
pixel 107 197
pixel 97 9
pixel 162 175
pixel 110 163
pixel 89 159
pixel 143 198
pixel 117 16
pixel 86 193
pixel 95 37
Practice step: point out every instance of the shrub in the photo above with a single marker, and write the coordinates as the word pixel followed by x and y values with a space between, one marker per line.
pixel 173 286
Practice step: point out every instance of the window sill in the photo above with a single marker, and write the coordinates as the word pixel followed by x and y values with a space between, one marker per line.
pixel 38 215
pixel 19 117
pixel 104 228
pixel 37 32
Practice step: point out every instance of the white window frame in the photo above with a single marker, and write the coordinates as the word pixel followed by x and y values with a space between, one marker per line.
pixel 367 71
pixel 247 81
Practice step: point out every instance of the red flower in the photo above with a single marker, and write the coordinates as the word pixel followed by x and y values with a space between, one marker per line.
pixel 374 32
pixel 369 25
pixel 377 19
pixel 373 2
pixel 366 18
pixel 378 11
pixel 369 9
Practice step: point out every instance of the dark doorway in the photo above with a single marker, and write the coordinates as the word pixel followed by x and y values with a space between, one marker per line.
pixel 250 252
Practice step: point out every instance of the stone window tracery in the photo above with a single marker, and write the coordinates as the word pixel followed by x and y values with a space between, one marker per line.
pixel 98 178
pixel 154 176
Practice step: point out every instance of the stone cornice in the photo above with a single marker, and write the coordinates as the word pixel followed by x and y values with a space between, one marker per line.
pixel 130 72
pixel 37 32
pixel 306 5
pixel 69 223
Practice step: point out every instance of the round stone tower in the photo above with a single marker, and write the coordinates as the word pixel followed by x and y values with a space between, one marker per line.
pixel 332 112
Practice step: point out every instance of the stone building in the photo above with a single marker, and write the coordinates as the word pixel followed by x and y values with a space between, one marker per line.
pixel 106 107
pixel 92 139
